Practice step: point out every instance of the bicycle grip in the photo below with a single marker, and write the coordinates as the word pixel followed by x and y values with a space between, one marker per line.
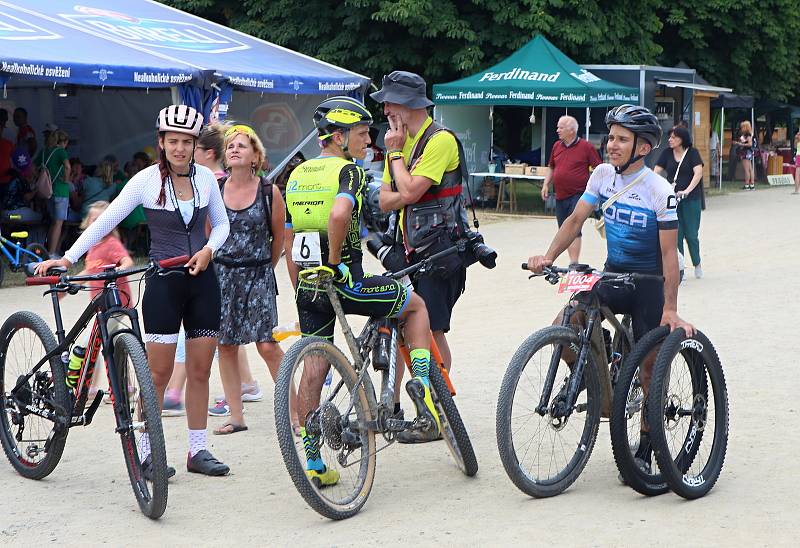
pixel 174 261
pixel 524 266
pixel 42 280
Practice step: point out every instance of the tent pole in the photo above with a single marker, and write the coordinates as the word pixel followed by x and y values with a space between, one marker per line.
pixel 588 123
pixel 543 148
pixel 753 123
pixel 491 134
pixel 721 144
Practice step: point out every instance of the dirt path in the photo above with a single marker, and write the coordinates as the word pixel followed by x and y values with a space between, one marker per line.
pixel 750 258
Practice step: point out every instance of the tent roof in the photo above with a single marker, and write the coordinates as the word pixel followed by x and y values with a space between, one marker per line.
pixel 536 74
pixel 730 100
pixel 142 43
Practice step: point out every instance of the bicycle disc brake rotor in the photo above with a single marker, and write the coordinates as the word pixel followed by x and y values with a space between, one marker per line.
pixel 331 424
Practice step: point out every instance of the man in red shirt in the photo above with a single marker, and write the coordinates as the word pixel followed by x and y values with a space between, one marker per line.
pixel 571 161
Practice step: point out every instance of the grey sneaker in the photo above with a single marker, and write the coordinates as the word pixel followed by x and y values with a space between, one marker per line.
pixel 220 409
pixel 698 272
pixel 172 408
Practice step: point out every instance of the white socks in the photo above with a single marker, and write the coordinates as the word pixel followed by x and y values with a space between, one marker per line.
pixel 197 441
pixel 144 449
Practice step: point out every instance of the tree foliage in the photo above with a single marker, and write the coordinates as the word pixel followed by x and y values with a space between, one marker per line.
pixel 745 44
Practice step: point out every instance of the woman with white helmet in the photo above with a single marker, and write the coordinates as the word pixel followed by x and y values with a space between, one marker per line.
pixel 178 196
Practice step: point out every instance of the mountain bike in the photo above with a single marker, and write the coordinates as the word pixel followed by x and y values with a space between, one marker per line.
pixel 18 255
pixel 559 384
pixel 38 406
pixel 350 413
pixel 688 413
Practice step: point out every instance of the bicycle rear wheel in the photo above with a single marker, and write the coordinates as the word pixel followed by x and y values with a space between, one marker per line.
pixel 138 413
pixel 544 455
pixel 453 430
pixel 627 415
pixel 338 433
pixel 688 414
pixel 33 444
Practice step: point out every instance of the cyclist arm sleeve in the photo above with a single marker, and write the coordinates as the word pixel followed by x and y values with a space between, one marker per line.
pixel 121 207
pixel 220 227
pixel 351 181
pixel 666 208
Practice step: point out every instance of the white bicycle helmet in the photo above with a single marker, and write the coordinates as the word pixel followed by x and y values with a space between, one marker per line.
pixel 180 119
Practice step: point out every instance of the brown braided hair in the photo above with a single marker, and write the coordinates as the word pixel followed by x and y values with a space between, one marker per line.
pixel 163 168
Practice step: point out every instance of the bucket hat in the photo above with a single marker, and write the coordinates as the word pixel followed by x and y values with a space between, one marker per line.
pixel 404 88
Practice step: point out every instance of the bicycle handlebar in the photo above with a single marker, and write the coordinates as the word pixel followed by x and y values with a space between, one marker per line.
pixel 553 270
pixel 108 275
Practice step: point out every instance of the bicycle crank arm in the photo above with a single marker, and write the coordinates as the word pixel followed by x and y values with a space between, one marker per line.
pixel 89 415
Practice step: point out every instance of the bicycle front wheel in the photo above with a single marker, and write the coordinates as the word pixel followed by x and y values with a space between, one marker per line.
pixel 544 453
pixel 139 425
pixel 628 417
pixel 33 444
pixel 688 414
pixel 453 430
pixel 336 425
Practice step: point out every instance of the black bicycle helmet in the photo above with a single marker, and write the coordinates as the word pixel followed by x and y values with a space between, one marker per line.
pixel 641 122
pixel 342 113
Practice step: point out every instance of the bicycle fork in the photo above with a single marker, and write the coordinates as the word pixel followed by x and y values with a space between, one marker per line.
pixel 563 406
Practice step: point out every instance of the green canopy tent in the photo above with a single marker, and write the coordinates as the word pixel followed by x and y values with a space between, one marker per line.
pixel 538 74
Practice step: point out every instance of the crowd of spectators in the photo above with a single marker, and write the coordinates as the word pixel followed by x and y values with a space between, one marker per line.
pixel 76 184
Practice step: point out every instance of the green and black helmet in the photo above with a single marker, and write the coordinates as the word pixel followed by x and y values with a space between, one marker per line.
pixel 342 113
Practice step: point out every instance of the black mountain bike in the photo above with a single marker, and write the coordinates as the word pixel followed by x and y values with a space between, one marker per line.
pixel 348 413
pixel 38 407
pixel 559 383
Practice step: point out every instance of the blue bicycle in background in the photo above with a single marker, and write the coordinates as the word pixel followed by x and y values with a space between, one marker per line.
pixel 17 255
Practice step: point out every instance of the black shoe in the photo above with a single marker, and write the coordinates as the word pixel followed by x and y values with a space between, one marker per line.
pixel 205 463
pixel 147 469
pixel 421 396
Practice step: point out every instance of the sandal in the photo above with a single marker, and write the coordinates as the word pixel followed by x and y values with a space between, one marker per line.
pixel 222 430
pixel 205 463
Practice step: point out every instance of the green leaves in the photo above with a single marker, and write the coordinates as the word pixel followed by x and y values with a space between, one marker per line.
pixel 749 45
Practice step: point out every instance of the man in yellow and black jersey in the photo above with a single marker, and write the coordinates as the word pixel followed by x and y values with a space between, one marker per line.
pixel 323 206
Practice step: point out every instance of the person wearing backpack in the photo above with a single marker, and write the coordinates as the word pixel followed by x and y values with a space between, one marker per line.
pixel 55 160
pixel 245 265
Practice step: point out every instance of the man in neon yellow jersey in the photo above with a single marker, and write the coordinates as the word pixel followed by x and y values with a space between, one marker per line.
pixel 323 203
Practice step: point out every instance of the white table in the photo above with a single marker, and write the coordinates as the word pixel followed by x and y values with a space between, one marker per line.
pixel 511 188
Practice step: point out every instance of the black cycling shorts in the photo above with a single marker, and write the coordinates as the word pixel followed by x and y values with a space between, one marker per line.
pixel 179 297
pixel 644 302
pixel 375 296
pixel 565 207
pixel 440 296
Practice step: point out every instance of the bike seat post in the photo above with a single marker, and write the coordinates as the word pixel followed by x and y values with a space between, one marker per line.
pixel 57 314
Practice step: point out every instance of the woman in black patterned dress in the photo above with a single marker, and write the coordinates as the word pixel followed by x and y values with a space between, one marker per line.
pixel 245 266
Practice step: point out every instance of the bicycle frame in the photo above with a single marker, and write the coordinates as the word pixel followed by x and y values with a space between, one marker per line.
pixel 590 341
pixel 14 260
pixel 102 307
pixel 360 348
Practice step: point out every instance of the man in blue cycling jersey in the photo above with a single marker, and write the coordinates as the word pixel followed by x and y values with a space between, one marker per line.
pixel 641 229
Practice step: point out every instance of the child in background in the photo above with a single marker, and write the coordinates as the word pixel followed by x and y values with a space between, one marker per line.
pixel 109 251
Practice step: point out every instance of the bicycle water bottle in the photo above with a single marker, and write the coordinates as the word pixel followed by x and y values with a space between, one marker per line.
pixel 291 329
pixel 380 354
pixel 74 365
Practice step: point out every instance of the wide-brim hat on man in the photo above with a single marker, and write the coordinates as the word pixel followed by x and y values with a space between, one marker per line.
pixel 403 88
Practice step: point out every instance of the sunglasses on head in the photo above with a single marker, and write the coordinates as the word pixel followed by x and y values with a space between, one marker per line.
pixel 240 128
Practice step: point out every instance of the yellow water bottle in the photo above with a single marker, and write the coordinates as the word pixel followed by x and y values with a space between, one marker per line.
pixel 291 329
pixel 74 366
